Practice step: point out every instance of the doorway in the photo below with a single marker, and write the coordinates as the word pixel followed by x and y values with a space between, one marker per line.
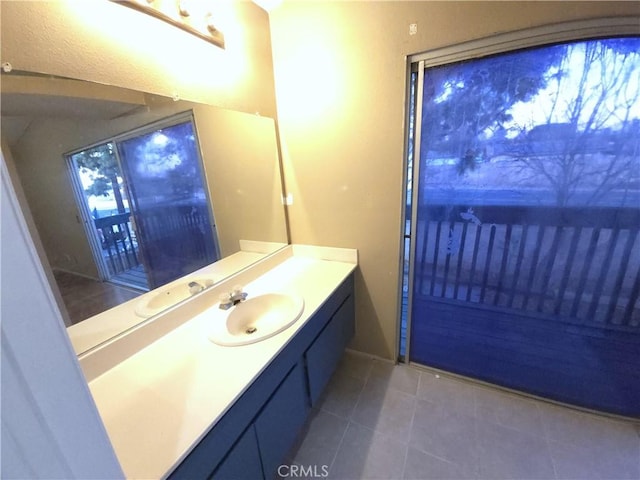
pixel 103 201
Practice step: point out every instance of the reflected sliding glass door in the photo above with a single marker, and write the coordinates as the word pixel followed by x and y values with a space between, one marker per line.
pixel 526 246
pixel 104 206
pixel 168 193
pixel 143 197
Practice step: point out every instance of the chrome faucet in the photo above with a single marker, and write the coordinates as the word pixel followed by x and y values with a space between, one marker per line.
pixel 228 300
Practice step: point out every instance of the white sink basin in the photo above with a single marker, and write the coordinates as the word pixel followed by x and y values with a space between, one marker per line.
pixel 257 318
pixel 158 300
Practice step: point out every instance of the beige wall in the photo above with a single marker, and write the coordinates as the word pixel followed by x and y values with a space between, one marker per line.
pixel 240 156
pixel 105 42
pixel 340 76
pixel 41 167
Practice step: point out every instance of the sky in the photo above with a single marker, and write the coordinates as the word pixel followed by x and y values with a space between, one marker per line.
pixel 540 110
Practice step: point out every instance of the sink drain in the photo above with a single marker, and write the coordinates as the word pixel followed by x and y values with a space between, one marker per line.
pixel 250 330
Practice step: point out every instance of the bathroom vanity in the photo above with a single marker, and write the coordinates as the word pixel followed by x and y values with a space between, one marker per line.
pixel 103 326
pixel 177 405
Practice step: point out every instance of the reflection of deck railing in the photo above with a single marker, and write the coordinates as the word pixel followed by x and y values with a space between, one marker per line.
pixel 577 263
pixel 181 231
pixel 119 245
pixel 177 240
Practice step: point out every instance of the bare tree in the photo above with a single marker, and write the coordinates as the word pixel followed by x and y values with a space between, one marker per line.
pixel 590 141
pixel 101 166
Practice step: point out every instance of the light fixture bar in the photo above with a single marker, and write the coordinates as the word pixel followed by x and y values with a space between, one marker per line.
pixel 178 14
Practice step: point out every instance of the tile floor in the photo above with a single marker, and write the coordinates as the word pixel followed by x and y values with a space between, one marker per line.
pixel 380 421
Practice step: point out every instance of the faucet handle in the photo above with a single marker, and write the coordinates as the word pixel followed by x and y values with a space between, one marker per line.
pixel 237 290
pixel 228 300
pixel 237 295
pixel 225 301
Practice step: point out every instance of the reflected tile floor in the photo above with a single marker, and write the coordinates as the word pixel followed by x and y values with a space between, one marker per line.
pixel 84 297
pixel 377 420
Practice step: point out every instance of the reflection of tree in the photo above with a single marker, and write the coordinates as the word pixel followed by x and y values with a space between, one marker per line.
pixel 582 99
pixel 101 165
pixel 585 152
pixel 166 164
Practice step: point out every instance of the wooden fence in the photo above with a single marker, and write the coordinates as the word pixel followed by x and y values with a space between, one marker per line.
pixel 183 231
pixel 581 264
pixel 118 242
pixel 176 241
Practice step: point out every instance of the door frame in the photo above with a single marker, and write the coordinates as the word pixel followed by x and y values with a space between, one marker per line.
pixel 167 122
pixel 495 44
pixel 85 213
pixel 83 206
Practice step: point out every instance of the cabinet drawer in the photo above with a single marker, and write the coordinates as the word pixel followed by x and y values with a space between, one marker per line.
pixel 281 419
pixel 324 354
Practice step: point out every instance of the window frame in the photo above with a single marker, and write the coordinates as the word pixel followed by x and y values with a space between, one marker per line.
pixel 569 31
pixel 527 38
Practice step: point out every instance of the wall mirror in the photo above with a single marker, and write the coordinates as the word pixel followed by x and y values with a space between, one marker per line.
pixel 55 133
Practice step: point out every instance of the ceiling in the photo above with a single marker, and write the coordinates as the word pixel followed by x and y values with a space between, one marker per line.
pixel 24 99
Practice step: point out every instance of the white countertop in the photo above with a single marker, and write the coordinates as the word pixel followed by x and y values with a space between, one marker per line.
pixel 160 402
pixel 103 326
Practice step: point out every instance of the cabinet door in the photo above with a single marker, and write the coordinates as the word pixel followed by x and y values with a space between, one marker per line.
pixel 325 352
pixel 281 419
pixel 243 461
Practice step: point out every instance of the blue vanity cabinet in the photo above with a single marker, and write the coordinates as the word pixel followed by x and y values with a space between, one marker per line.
pixel 261 427
pixel 325 352
pixel 281 419
pixel 243 460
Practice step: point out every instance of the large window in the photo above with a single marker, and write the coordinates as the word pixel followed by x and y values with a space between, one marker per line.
pixel 526 248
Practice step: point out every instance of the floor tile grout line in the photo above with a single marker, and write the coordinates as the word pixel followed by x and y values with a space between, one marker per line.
pixel 388 385
pixel 551 457
pixel 476 446
pixel 403 439
pixel 413 416
pixel 509 425
pixel 431 454
pixel 419 385
pixel 335 455
pixel 349 415
pixel 409 443
pixel 366 379
pixel 404 463
pixel 348 419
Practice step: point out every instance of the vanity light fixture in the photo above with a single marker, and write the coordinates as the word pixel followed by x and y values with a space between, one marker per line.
pixel 183 8
pixel 184 14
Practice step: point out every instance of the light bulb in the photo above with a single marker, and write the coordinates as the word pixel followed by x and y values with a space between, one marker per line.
pixel 183 7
